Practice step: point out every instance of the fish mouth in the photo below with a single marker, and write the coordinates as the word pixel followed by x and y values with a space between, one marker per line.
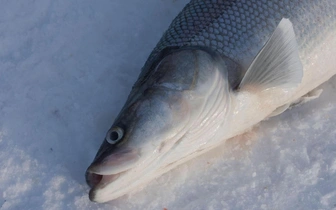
pixel 97 182
pixel 103 172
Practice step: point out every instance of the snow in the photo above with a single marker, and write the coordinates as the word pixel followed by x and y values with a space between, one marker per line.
pixel 66 68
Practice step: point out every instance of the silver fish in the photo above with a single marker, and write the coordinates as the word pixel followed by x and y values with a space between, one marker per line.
pixel 220 68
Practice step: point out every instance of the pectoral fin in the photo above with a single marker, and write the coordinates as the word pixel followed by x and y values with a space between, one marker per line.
pixel 278 63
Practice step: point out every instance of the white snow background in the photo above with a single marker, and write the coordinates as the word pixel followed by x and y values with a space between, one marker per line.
pixel 66 68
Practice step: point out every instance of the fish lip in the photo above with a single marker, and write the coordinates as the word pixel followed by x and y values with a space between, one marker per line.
pixel 92 194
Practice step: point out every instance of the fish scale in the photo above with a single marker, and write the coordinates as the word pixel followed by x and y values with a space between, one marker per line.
pixel 238 29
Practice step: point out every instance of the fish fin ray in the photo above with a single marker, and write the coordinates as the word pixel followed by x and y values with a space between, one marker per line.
pixel 278 63
pixel 314 94
pixel 279 110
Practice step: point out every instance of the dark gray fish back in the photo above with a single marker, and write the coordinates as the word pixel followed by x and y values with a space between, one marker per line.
pixel 238 29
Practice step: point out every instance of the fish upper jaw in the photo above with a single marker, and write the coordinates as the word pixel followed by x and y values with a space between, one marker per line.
pixel 116 162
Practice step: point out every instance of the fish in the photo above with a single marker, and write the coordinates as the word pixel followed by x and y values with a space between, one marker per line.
pixel 221 68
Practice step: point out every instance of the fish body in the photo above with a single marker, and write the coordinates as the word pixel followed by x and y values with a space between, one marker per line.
pixel 219 69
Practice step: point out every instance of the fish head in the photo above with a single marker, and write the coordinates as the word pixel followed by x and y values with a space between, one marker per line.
pixel 157 116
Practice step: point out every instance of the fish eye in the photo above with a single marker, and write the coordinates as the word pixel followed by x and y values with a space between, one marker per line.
pixel 114 135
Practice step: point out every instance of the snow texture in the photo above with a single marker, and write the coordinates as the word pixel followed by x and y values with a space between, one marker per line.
pixel 66 68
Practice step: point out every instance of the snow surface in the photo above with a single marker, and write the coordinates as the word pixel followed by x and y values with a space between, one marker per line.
pixel 66 68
